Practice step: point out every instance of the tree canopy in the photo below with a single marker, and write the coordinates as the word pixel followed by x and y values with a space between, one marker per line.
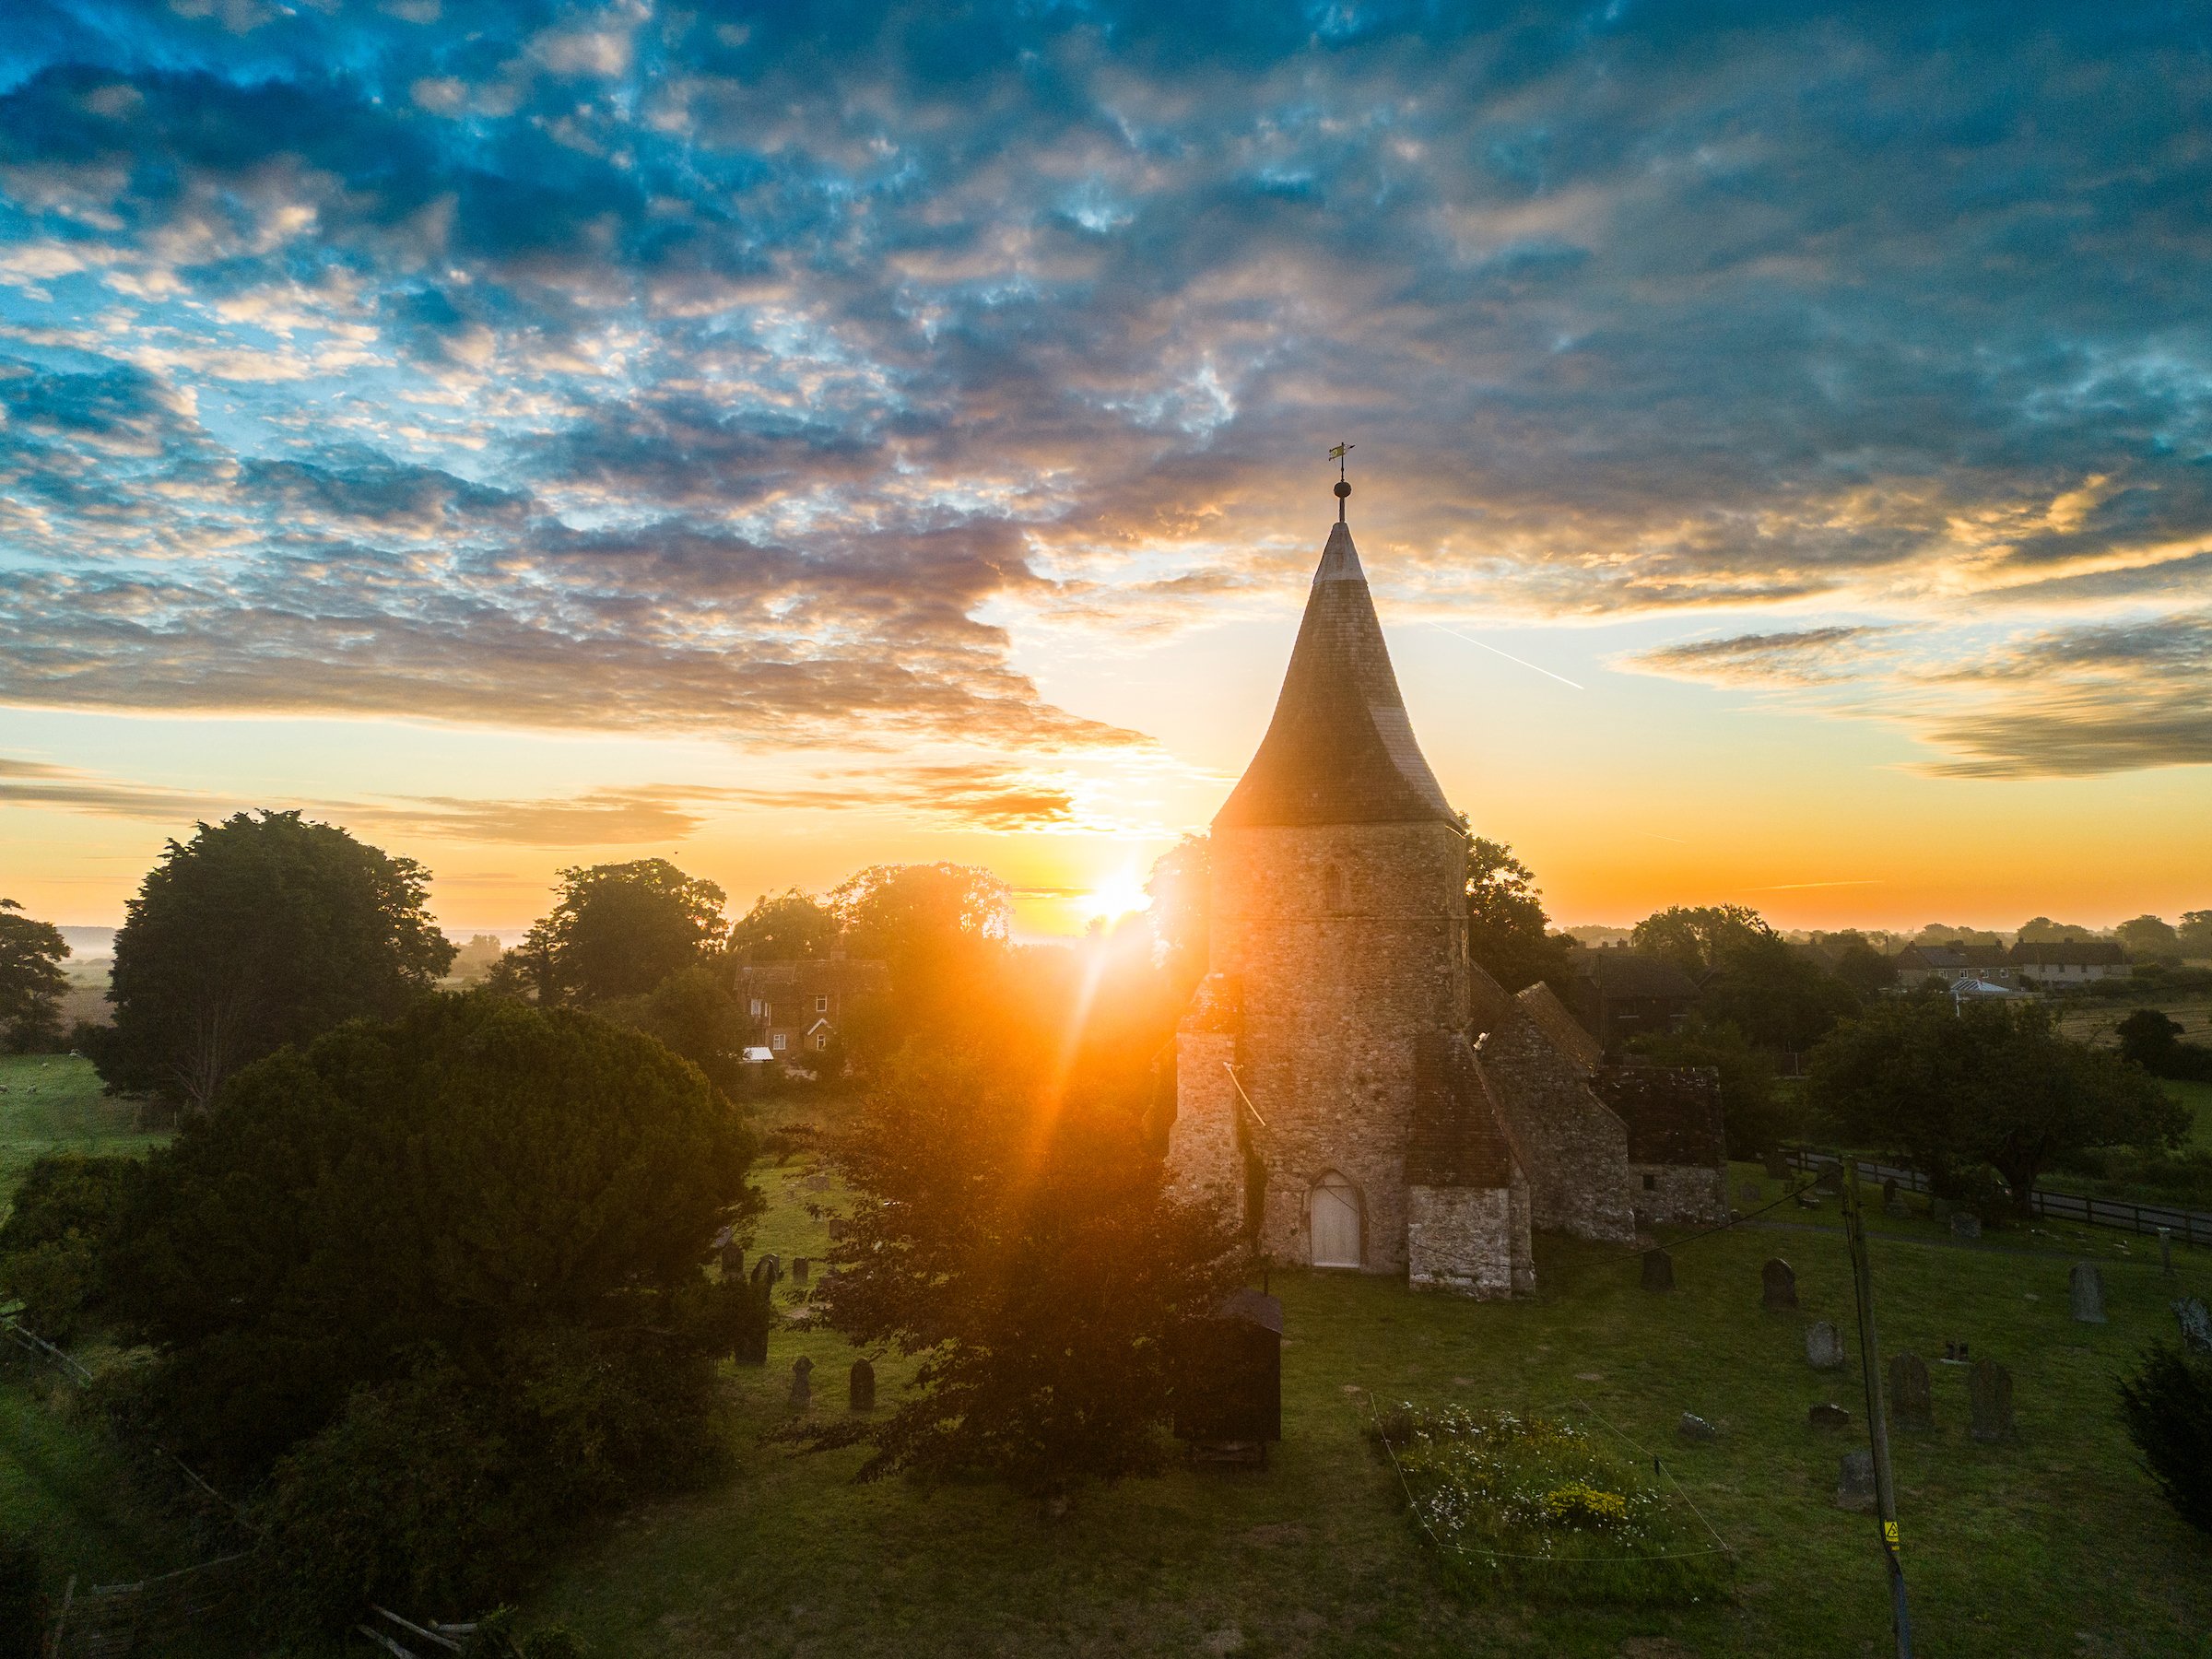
pixel 474 1178
pixel 913 913
pixel 2195 932
pixel 790 927
pixel 2152 1040
pixel 2149 936
pixel 263 930
pixel 1508 934
pixel 1991 1084
pixel 1694 938
pixel 31 981
pixel 620 930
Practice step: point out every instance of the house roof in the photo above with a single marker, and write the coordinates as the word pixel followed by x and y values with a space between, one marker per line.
pixel 1456 1140
pixel 2089 953
pixel 1340 748
pixel 1951 959
pixel 1561 1028
pixel 1631 973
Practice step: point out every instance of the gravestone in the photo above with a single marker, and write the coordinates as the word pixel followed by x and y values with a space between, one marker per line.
pixel 1831 1179
pixel 1658 1270
pixel 733 1262
pixel 1990 1386
pixel 765 1272
pixel 1823 1347
pixel 1912 1396
pixel 1954 1353
pixel 1854 1483
pixel 861 1387
pixel 1893 1198
pixel 800 1268
pixel 1749 1191
pixel 1778 1166
pixel 1965 1224
pixel 1696 1429
pixel 1777 1285
pixel 2085 1288
pixel 2196 1324
pixel 1808 1199
pixel 1827 1415
pixel 802 1383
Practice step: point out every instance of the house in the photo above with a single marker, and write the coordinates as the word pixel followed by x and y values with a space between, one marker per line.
pixel 1620 992
pixel 2075 963
pixel 796 1008
pixel 1920 964
pixel 1347 1078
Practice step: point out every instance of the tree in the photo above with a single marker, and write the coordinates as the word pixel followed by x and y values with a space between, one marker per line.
pixel 57 1228
pixel 620 930
pixel 2151 1039
pixel 917 914
pixel 1778 996
pixel 480 1180
pixel 1988 1083
pixel 1508 934
pixel 1752 1115
pixel 1693 937
pixel 2196 934
pixel 2167 1406
pixel 2148 938
pixel 31 981
pixel 476 958
pixel 790 927
pixel 695 1014
pixel 1859 965
pixel 2041 930
pixel 942 929
pixel 1026 1248
pixel 260 931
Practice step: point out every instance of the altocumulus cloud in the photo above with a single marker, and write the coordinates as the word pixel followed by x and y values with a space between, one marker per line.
pixel 716 371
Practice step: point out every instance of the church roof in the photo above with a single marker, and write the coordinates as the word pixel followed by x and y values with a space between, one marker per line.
pixel 1340 749
pixel 1564 1032
pixel 1455 1139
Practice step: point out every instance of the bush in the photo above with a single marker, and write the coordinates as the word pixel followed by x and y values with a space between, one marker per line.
pixel 65 1213
pixel 2166 1404
pixel 23 1606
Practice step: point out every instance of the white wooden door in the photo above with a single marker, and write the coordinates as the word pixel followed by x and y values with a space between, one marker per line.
pixel 1333 1213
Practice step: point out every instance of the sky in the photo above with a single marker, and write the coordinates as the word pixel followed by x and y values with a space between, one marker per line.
pixel 791 438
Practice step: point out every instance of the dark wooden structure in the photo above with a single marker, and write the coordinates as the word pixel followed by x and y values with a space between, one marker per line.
pixel 1228 1381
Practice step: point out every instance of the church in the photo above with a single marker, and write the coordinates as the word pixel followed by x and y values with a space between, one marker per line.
pixel 1346 1075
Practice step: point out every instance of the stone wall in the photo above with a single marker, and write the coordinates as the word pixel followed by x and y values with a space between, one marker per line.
pixel 1204 1153
pixel 1573 1150
pixel 1461 1239
pixel 1677 1195
pixel 1348 941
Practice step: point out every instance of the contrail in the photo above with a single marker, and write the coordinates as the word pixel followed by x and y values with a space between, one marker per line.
pixel 1787 886
pixel 1508 655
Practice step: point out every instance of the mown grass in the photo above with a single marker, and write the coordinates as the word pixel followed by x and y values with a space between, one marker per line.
pixel 2053 1543
pixel 53 1103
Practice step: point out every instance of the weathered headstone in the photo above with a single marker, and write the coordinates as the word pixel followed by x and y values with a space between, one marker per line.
pixel 1658 1270
pixel 1777 1284
pixel 1695 1428
pixel 2196 1324
pixel 1749 1191
pixel 1823 1347
pixel 800 1268
pixel 1855 1482
pixel 1778 1166
pixel 1912 1396
pixel 861 1387
pixel 1808 1199
pixel 1989 1385
pixel 2085 1286
pixel 1893 1198
pixel 1827 1415
pixel 765 1272
pixel 1965 1224
pixel 802 1383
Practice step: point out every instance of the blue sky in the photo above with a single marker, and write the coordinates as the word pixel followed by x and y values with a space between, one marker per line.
pixel 793 436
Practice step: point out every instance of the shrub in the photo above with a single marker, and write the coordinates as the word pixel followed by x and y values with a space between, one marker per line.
pixel 65 1213
pixel 1535 1507
pixel 23 1606
pixel 2166 1404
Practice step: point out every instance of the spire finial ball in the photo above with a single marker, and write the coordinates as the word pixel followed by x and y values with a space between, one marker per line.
pixel 1344 488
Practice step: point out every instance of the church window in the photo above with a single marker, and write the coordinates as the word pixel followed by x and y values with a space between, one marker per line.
pixel 1651 1183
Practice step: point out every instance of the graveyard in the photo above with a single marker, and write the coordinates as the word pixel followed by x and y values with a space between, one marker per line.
pixel 2049 1541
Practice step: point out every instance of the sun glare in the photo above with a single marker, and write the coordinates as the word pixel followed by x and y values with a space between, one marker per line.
pixel 1116 895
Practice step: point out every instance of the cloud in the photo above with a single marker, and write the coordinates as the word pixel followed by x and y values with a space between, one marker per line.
pixel 516 365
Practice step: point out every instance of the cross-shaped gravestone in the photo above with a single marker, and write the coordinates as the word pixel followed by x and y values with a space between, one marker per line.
pixel 1911 1397
pixel 1777 1285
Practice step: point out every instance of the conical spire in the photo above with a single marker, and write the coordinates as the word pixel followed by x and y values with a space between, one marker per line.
pixel 1339 750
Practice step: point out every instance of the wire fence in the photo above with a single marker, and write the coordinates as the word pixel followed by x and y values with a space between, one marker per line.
pixel 2188 1226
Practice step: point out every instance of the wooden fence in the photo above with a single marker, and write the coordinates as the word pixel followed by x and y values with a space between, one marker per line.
pixel 2188 1226
pixel 110 1620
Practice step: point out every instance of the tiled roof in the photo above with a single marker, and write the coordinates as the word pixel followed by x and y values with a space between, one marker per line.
pixel 2091 953
pixel 1340 749
pixel 1631 973
pixel 1561 1028
pixel 1456 1140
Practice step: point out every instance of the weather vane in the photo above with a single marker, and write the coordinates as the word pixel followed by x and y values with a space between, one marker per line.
pixel 1344 488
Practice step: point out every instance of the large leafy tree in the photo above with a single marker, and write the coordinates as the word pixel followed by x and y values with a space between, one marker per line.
pixel 620 930
pixel 2149 938
pixel 1508 934
pixel 2194 934
pixel 1020 1241
pixel 911 914
pixel 790 927
pixel 261 930
pixel 1782 998
pixel 1696 937
pixel 31 981
pixel 472 1180
pixel 1991 1084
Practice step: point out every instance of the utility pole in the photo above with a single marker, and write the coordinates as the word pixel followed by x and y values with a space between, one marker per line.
pixel 1877 1424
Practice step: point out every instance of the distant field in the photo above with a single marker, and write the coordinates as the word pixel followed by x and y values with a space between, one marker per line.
pixel 2094 1021
pixel 2055 1544
pixel 54 1104
pixel 2197 1097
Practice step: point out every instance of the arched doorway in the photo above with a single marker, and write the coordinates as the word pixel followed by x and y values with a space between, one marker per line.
pixel 1335 1222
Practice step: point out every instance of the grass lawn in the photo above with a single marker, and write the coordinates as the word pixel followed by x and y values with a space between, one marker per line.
pixel 54 1104
pixel 2056 1544
pixel 2197 1097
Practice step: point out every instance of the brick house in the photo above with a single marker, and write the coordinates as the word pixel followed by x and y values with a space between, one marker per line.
pixel 1946 964
pixel 797 1008
pixel 1345 1075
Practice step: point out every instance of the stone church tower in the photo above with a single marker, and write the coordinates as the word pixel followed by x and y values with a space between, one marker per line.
pixel 1324 1073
